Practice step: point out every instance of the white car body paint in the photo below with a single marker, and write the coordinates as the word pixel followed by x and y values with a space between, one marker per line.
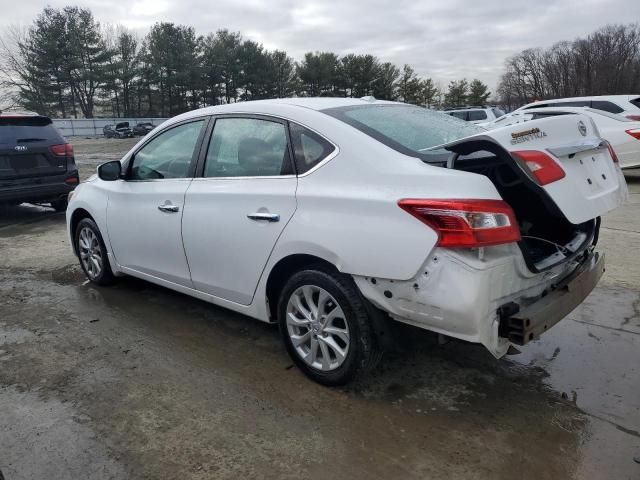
pixel 344 211
pixel 612 127
pixel 627 105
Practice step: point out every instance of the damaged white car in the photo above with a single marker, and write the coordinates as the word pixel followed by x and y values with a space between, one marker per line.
pixel 333 217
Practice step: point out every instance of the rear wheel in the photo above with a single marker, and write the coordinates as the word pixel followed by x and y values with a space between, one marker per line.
pixel 93 253
pixel 326 326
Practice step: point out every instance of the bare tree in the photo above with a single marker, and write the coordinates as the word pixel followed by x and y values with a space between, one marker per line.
pixel 604 63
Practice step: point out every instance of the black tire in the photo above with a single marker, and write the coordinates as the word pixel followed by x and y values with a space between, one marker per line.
pixel 105 275
pixel 364 351
pixel 60 205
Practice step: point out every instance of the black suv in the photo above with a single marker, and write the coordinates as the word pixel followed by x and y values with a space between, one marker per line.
pixel 36 163
pixel 120 130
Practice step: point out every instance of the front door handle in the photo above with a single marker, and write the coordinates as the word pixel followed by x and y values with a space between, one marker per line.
pixel 169 208
pixel 267 217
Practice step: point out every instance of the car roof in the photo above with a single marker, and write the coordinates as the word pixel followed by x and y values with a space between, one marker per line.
pixel 271 106
pixel 624 98
pixel 593 111
pixel 313 103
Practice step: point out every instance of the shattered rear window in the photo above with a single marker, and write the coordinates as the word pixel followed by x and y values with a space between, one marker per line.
pixel 409 129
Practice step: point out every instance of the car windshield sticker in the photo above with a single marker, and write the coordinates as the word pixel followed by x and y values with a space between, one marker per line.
pixel 526 135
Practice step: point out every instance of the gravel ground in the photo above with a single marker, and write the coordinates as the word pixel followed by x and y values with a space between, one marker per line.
pixel 92 151
pixel 138 382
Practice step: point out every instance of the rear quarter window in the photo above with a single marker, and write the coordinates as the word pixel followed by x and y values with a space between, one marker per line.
pixel 309 148
pixel 635 102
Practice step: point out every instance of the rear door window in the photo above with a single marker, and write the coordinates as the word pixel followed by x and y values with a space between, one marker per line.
pixel 477 115
pixel 578 103
pixel 309 148
pixel 606 106
pixel 247 147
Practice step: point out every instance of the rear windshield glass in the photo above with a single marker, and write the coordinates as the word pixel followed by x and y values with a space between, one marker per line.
pixel 13 129
pixel 406 128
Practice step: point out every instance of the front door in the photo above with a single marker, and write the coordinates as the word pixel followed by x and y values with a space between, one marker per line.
pixel 144 211
pixel 236 211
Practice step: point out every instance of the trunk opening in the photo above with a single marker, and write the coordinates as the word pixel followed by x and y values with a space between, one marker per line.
pixel 548 238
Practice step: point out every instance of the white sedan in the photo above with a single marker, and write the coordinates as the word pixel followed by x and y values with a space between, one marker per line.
pixel 622 133
pixel 335 217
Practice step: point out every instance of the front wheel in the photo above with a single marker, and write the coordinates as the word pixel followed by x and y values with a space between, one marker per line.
pixel 326 326
pixel 93 253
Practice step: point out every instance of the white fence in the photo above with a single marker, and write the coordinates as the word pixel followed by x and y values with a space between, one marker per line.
pixel 91 127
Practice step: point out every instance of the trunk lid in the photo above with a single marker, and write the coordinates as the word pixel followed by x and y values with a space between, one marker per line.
pixel 593 184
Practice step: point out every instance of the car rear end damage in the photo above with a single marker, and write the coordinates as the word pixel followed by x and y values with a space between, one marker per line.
pixel 520 325
pixel 558 177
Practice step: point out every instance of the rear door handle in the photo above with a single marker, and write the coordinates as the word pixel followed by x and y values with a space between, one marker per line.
pixel 169 208
pixel 267 217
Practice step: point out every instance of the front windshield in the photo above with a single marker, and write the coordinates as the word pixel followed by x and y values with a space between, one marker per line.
pixel 409 129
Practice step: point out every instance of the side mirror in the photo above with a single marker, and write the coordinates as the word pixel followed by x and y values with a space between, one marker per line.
pixel 110 171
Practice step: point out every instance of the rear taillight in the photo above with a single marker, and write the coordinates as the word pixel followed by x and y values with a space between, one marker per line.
pixel 612 152
pixel 634 132
pixel 63 150
pixel 635 118
pixel 72 180
pixel 544 168
pixel 466 223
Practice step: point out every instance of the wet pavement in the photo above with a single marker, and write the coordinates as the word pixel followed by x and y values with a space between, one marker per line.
pixel 136 381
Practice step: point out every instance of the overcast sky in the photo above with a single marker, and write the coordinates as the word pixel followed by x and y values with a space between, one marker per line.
pixel 443 39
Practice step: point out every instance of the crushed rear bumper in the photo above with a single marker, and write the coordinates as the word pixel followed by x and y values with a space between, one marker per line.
pixel 520 325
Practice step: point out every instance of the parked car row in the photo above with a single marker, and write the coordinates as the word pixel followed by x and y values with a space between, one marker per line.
pixel 625 105
pixel 123 130
pixel 617 118
pixel 334 217
pixel 623 134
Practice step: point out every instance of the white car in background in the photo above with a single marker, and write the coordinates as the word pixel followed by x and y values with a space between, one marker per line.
pixel 333 217
pixel 623 134
pixel 475 115
pixel 625 105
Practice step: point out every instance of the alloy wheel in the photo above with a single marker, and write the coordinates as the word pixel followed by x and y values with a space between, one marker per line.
pixel 90 252
pixel 317 327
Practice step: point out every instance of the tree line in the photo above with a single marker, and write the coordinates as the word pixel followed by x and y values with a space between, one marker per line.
pixel 67 65
pixel 606 62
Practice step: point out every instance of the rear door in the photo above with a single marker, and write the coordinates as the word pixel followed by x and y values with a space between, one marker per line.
pixel 237 209
pixel 25 153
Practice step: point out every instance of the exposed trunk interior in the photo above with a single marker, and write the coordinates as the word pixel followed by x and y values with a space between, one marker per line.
pixel 548 238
